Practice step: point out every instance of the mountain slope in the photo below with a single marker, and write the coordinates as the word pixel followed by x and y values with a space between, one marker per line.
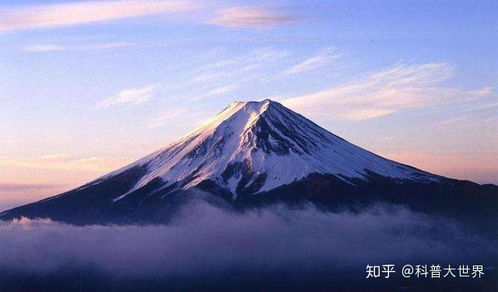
pixel 249 154
pixel 257 146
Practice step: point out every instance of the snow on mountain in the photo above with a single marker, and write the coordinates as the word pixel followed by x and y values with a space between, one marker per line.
pixel 253 155
pixel 258 146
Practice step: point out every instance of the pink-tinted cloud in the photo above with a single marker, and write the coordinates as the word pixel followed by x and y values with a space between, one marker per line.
pixel 90 47
pixel 77 13
pixel 250 17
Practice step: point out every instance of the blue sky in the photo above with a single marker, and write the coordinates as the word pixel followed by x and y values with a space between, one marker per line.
pixel 87 86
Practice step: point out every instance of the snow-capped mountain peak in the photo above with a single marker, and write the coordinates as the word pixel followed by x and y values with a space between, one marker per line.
pixel 252 155
pixel 253 147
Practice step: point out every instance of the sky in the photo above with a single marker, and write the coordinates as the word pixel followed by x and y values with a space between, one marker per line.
pixel 89 86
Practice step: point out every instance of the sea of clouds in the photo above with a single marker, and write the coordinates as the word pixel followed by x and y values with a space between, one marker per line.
pixel 205 239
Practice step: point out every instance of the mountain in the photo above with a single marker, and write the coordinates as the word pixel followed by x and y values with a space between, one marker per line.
pixel 254 154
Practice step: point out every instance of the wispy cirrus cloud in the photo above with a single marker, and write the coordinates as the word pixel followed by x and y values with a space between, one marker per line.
pixel 218 91
pixel 131 96
pixel 391 90
pixel 77 13
pixel 42 48
pixel 225 75
pixel 251 60
pixel 250 17
pixel 170 116
pixel 180 117
pixel 324 57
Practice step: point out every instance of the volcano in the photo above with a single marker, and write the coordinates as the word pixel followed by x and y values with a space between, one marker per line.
pixel 255 154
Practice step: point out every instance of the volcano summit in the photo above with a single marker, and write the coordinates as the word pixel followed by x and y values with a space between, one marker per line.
pixel 254 154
